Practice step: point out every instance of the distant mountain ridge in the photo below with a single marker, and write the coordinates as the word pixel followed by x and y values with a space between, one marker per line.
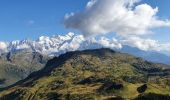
pixel 57 45
pixel 147 55
pixel 18 65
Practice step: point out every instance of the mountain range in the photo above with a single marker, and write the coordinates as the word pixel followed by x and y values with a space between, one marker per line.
pixel 147 55
pixel 57 45
pixel 18 59
pixel 99 74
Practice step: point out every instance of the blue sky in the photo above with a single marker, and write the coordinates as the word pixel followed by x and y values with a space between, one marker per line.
pixel 20 19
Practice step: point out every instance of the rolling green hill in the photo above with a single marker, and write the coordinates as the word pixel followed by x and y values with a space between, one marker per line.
pixel 100 74
pixel 18 65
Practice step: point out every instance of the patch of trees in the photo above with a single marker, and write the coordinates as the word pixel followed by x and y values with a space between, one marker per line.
pixel 142 88
pixel 152 96
pixel 110 86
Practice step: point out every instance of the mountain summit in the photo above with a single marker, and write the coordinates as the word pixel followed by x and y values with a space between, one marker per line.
pixel 93 74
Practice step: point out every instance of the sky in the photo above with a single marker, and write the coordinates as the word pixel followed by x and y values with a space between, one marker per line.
pixel 22 19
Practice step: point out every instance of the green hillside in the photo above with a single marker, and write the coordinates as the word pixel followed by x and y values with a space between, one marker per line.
pixel 100 74
pixel 17 66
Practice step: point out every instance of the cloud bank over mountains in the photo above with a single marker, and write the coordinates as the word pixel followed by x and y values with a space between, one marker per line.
pixel 130 20
pixel 60 44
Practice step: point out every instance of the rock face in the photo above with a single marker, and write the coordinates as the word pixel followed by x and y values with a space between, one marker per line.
pixel 91 74
pixel 18 65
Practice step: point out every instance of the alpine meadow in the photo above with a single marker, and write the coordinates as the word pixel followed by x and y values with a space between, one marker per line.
pixel 84 50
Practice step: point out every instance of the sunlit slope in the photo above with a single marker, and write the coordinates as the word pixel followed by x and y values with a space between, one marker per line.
pixel 93 74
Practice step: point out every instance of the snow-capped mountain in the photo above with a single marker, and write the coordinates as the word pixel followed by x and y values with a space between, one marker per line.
pixel 56 45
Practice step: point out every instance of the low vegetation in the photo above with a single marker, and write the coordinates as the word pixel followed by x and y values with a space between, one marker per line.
pixel 100 74
pixel 18 65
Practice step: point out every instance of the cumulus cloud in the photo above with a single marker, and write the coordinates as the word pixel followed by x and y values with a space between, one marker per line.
pixel 143 44
pixel 109 43
pixel 117 16
pixel 146 44
pixel 129 19
pixel 3 45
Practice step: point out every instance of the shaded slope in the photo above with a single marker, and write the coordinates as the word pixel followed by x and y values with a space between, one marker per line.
pixel 18 65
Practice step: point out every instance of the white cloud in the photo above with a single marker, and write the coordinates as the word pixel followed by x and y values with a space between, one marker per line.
pixel 109 43
pixel 164 47
pixel 3 45
pixel 73 44
pixel 143 44
pixel 118 16
pixel 146 44
pixel 90 4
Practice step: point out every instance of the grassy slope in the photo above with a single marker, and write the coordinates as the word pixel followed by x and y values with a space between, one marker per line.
pixel 68 76
pixel 19 65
